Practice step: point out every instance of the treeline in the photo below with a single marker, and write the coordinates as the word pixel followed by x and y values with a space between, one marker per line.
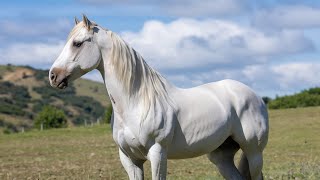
pixel 306 98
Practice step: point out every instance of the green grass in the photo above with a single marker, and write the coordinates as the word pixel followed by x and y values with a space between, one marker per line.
pixel 293 152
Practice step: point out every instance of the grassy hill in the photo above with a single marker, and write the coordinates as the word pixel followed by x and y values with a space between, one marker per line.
pixel 293 152
pixel 25 90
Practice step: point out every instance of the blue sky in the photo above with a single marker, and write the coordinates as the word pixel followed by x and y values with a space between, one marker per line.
pixel 272 46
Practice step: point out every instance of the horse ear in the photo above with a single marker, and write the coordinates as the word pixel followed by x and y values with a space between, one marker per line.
pixel 86 21
pixel 76 21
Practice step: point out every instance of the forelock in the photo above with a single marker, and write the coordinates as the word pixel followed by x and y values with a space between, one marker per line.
pixel 76 29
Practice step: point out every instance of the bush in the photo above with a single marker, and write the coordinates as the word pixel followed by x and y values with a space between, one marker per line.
pixel 266 100
pixel 88 108
pixel 87 104
pixel 41 74
pixel 8 127
pixel 306 98
pixel 15 99
pixel 51 117
pixel 107 115
pixel 11 109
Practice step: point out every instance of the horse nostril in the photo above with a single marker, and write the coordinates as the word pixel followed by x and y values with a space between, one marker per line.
pixel 52 76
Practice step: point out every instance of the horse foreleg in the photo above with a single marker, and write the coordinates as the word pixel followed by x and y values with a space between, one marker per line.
pixel 158 158
pixel 134 168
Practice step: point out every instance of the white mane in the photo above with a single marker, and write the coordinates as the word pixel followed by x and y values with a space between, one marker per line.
pixel 138 78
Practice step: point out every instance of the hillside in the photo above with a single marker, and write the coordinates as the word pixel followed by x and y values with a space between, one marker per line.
pixel 25 90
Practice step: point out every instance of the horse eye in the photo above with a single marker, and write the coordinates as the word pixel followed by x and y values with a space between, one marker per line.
pixel 77 44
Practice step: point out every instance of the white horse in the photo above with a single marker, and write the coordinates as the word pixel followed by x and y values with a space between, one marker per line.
pixel 154 120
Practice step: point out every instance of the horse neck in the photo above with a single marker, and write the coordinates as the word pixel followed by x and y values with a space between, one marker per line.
pixel 123 99
pixel 117 96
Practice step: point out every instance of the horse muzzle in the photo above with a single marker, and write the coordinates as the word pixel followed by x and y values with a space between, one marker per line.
pixel 58 78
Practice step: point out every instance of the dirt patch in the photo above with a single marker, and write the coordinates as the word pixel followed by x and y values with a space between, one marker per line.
pixel 19 74
pixel 23 76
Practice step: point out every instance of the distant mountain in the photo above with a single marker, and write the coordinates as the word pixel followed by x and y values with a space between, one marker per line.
pixel 25 90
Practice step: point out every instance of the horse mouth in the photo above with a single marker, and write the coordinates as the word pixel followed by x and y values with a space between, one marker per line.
pixel 63 84
pixel 60 85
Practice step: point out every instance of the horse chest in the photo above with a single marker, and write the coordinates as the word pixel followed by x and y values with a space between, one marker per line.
pixel 129 143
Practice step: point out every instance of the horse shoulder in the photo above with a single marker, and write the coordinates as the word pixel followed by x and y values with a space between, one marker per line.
pixel 135 134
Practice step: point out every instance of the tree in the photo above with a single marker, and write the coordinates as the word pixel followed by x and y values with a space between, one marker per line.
pixel 51 117
pixel 266 99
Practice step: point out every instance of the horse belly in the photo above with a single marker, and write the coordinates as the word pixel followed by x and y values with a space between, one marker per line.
pixel 204 123
pixel 198 137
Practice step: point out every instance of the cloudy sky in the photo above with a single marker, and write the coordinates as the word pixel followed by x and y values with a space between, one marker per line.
pixel 272 46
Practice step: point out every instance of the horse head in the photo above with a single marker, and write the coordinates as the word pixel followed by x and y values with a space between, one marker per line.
pixel 80 54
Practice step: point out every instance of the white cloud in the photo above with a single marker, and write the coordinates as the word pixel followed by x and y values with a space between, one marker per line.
pixel 265 79
pixel 297 74
pixel 192 52
pixel 35 54
pixel 189 43
pixel 298 16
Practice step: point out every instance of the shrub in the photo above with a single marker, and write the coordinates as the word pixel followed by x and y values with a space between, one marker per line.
pixel 87 104
pixel 88 108
pixel 306 98
pixel 8 127
pixel 6 131
pixel 11 109
pixel 107 115
pixel 41 74
pixel 15 99
pixel 266 99
pixel 51 117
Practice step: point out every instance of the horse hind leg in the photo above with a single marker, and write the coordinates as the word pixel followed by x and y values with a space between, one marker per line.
pixel 250 165
pixel 223 158
pixel 251 162
pixel 243 167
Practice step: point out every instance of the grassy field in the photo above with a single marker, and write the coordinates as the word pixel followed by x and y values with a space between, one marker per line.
pixel 293 152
